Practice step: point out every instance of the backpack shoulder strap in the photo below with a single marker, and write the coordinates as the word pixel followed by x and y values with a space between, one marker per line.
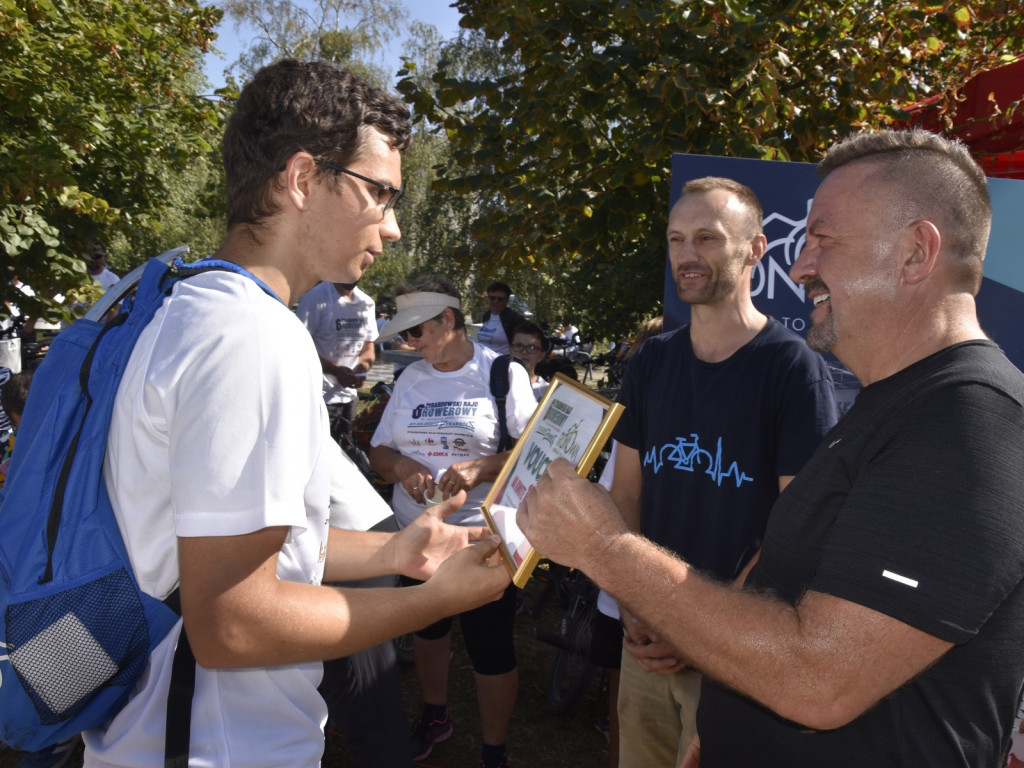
pixel 499 391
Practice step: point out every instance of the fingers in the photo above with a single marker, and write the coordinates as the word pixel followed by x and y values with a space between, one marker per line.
pixel 414 484
pixel 447 506
pixel 477 532
pixel 419 483
pixel 487 546
pixel 661 666
pixel 653 657
pixel 428 486
pixel 453 480
pixel 560 469
pixel 488 554
pixel 635 629
pixel 523 512
pixel 691 758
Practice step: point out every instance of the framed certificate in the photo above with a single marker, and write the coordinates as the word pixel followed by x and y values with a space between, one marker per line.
pixel 571 422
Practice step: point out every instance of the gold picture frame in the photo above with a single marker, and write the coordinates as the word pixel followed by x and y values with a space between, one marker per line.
pixel 571 422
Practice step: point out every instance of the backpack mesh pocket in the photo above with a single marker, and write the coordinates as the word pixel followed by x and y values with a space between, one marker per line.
pixel 67 646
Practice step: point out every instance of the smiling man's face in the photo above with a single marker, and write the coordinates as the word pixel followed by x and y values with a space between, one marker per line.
pixel 849 266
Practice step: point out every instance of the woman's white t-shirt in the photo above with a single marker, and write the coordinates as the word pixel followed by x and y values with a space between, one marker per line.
pixel 219 429
pixel 440 418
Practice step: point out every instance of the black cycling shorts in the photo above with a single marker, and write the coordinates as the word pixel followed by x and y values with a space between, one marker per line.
pixel 488 631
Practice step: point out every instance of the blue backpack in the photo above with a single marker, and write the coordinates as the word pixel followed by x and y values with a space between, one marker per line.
pixel 77 629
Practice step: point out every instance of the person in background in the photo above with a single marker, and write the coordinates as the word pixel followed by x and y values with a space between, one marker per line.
pixel 499 321
pixel 439 435
pixel 382 320
pixel 653 327
pixel 341 319
pixel 6 424
pixel 96 266
pixel 881 624
pixel 570 338
pixel 529 346
pixel 13 393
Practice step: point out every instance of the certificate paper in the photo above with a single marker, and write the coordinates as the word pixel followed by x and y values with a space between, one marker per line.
pixel 571 422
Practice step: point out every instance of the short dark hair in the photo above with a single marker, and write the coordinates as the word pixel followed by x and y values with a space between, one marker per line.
pixel 435 284
pixel 934 178
pixel 291 106
pixel 14 393
pixel 747 196
pixel 530 329
pixel 497 285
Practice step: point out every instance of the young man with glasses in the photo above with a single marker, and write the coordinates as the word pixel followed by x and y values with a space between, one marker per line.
pixel 220 465
pixel 499 321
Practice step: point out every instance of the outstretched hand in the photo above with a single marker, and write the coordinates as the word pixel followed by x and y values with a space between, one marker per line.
pixel 428 541
pixel 470 578
pixel 569 519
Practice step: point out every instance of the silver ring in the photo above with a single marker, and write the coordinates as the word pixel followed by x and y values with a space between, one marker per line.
pixel 415 487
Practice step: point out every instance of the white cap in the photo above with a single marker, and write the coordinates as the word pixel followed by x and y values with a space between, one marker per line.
pixel 413 309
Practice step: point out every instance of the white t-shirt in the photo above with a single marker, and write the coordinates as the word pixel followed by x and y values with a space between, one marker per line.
pixel 492 334
pixel 355 505
pixel 219 430
pixel 339 326
pixel 440 418
pixel 106 278
pixel 540 386
pixel 570 334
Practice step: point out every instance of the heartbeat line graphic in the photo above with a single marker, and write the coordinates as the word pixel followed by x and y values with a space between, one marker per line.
pixel 687 455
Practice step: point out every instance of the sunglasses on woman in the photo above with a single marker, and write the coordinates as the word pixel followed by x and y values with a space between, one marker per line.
pixel 417 330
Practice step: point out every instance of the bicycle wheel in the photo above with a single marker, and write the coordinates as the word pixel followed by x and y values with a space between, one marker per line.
pixel 572 672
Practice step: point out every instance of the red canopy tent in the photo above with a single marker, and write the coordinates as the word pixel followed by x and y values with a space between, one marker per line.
pixel 989 119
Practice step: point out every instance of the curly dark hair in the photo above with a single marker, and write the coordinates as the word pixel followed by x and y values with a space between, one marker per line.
pixel 291 106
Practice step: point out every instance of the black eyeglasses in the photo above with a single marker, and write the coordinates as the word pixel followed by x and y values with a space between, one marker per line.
pixel 529 349
pixel 388 201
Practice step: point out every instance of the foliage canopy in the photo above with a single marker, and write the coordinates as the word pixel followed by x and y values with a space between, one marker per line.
pixel 572 143
pixel 96 99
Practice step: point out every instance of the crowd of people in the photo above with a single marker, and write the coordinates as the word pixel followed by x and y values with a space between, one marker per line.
pixel 791 589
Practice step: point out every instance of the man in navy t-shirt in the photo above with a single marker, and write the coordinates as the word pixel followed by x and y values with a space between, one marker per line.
pixel 720 415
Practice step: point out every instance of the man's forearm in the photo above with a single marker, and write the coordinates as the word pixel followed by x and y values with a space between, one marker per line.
pixel 820 663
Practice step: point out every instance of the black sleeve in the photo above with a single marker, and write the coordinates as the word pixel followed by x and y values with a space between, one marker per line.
pixel 930 532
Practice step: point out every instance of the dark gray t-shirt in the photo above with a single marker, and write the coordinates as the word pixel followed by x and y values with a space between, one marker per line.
pixel 914 507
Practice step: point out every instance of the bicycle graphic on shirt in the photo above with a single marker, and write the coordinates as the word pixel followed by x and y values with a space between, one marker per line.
pixel 686 454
